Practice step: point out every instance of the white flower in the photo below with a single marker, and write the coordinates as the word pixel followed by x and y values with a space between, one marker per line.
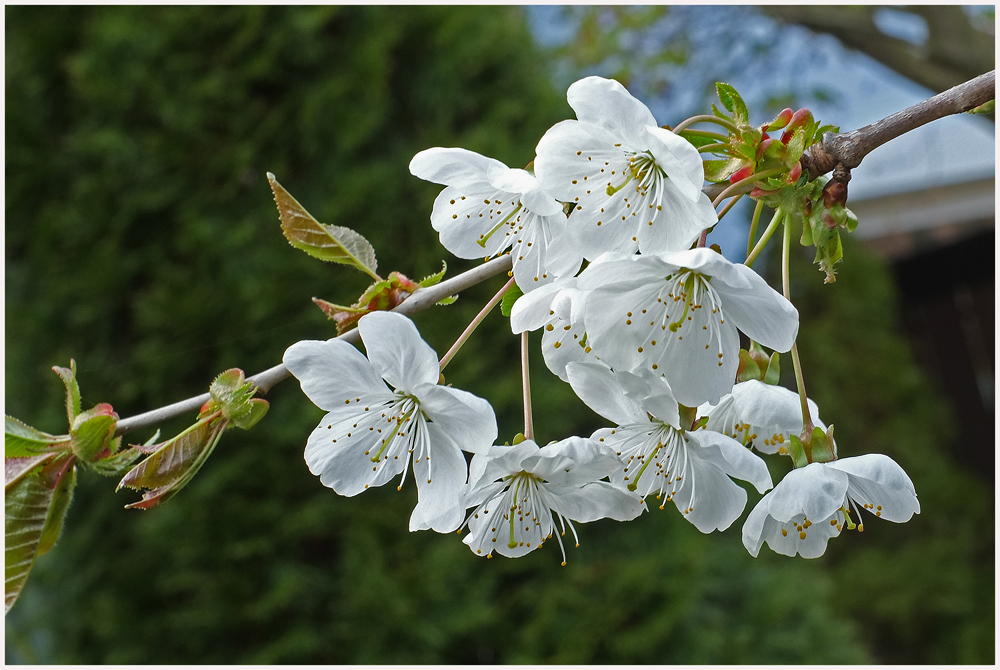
pixel 677 314
pixel 812 504
pixel 488 208
pixel 520 493
pixel 556 309
pixel 760 414
pixel 634 185
pixel 370 431
pixel 692 468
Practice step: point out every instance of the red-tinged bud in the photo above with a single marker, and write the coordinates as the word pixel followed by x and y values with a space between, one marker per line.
pixel 786 136
pixel 741 174
pixel 765 136
pixel 762 147
pixel 800 118
pixel 828 220
pixel 758 192
pixel 781 120
pixel 795 173
pixel 834 193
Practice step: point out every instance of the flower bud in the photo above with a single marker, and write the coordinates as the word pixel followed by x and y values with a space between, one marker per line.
pixel 781 120
pixel 795 173
pixel 834 193
pixel 741 174
pixel 762 147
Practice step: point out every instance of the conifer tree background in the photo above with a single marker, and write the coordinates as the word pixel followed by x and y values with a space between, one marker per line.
pixel 142 241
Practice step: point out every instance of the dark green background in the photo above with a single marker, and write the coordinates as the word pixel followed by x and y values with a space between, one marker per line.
pixel 141 240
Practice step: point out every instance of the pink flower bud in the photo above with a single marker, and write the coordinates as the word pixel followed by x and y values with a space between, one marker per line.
pixel 758 192
pixel 762 147
pixel 741 174
pixel 781 120
pixel 795 173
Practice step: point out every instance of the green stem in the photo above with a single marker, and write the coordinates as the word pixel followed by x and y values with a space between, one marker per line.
pixel 746 182
pixel 475 323
pixel 753 225
pixel 800 382
pixel 706 118
pixel 705 148
pixel 529 429
pixel 706 133
pixel 771 227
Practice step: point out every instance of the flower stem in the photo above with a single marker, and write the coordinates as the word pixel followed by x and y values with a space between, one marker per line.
pixel 706 118
pixel 706 133
pixel 475 324
pixel 800 382
pixel 728 207
pixel 706 148
pixel 753 225
pixel 778 214
pixel 529 429
pixel 746 182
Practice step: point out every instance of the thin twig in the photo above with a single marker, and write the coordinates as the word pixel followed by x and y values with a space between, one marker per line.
pixel 421 300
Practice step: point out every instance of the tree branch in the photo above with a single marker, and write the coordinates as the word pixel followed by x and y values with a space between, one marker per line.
pixel 419 301
pixel 847 148
pixel 850 148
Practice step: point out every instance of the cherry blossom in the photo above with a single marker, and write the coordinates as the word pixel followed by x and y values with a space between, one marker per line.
pixel 488 208
pixel 691 468
pixel 814 503
pixel 677 314
pixel 370 431
pixel 524 493
pixel 633 185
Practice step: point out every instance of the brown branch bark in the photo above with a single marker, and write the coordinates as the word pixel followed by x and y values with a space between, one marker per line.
pixel 850 148
pixel 265 380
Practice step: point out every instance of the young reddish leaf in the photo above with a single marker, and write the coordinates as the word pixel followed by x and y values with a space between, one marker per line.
pixel 68 377
pixel 174 463
pixel 325 242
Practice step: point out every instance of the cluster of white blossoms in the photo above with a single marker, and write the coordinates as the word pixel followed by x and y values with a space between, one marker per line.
pixel 646 335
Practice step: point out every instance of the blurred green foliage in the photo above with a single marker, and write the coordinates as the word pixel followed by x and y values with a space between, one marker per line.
pixel 143 241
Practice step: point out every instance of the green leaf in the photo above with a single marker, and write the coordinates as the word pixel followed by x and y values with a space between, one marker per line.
pixel 747 368
pixel 115 464
pixel 93 431
pixel 732 101
pixel 797 451
pixel 34 508
pixel 720 170
pixel 447 301
pixel 256 410
pixel 234 396
pixel 430 280
pixel 21 439
pixel 173 463
pixel 68 377
pixel 509 298
pixel 325 242
pixel 988 107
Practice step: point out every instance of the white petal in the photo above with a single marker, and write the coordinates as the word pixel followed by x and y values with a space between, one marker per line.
pixel 342 458
pixel 561 345
pixel 533 310
pixel 597 500
pixel 732 458
pixel 708 262
pixel 653 394
pixel 573 461
pixel 760 312
pixel 679 159
pixel 760 528
pixel 466 420
pixel 771 412
pixel 817 491
pixel 497 462
pixel 878 481
pixel 677 225
pixel 463 217
pixel 597 386
pixel 453 167
pixel 607 104
pixel 440 484
pixel 707 497
pixel 541 251
pixel 334 375
pixel 397 351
